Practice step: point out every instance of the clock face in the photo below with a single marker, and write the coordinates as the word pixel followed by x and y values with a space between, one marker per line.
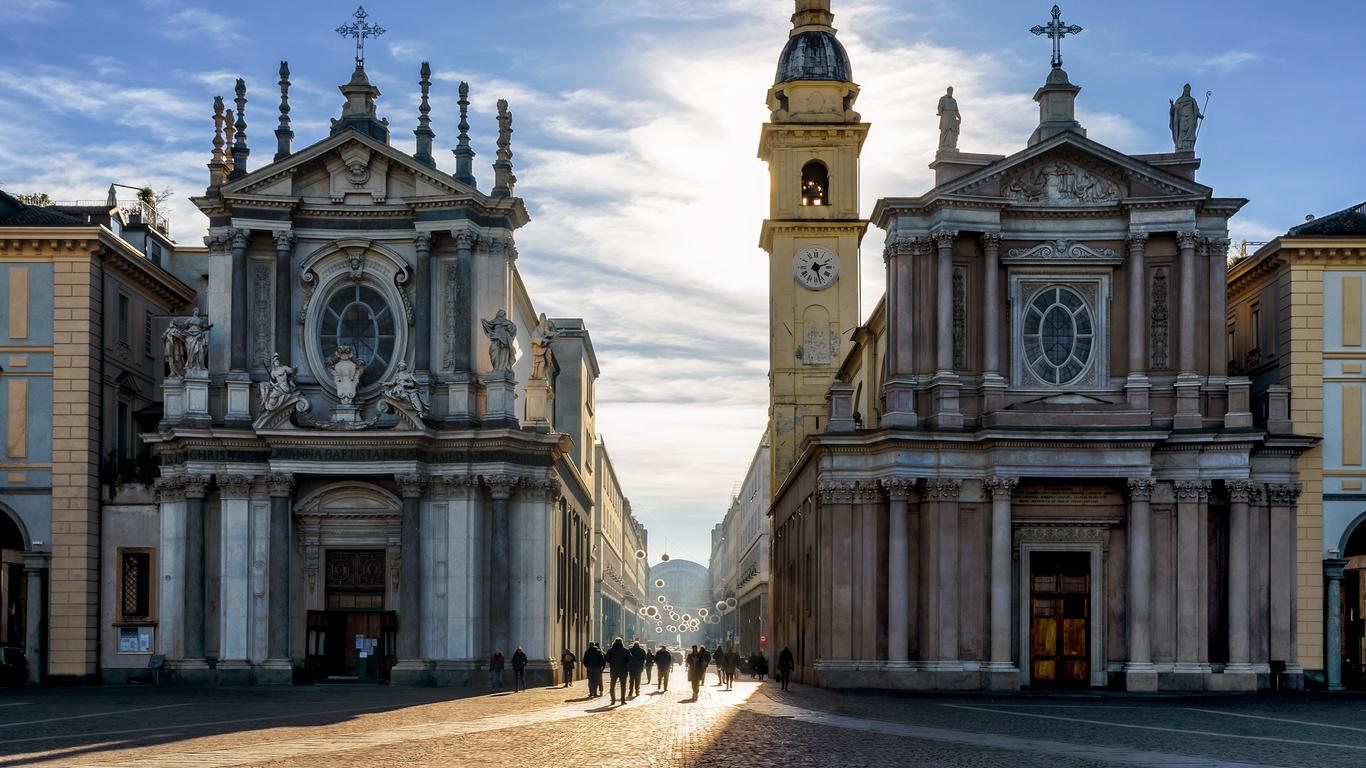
pixel 816 267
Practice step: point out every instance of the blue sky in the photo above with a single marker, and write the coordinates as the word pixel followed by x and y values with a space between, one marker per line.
pixel 636 128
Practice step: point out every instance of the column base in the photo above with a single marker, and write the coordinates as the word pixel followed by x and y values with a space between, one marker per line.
pixel 233 672
pixel 239 399
pixel 191 672
pixel 1140 676
pixel 1187 402
pixel 1241 679
pixel 1136 391
pixel 410 672
pixel 993 393
pixel 945 391
pixel 900 397
pixel 1001 676
pixel 1188 677
pixel 275 672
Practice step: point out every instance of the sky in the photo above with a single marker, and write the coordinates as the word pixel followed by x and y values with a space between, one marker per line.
pixel 636 130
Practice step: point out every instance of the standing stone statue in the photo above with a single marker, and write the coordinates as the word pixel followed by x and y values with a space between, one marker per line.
pixel 346 372
pixel 1184 116
pixel 502 334
pixel 281 386
pixel 404 387
pixel 541 339
pixel 949 121
pixel 173 348
pixel 194 333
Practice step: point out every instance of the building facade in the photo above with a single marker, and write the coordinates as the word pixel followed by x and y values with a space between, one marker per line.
pixel 738 569
pixel 376 456
pixel 1295 313
pixel 86 290
pixel 620 552
pixel 1034 468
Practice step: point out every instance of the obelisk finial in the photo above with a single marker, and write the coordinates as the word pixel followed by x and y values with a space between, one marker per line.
pixel 464 154
pixel 424 123
pixel 218 169
pixel 503 180
pixel 239 147
pixel 284 136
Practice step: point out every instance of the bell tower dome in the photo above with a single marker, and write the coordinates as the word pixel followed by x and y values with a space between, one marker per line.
pixel 811 144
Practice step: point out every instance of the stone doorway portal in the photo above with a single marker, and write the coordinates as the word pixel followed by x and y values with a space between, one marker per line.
pixel 354 637
pixel 1060 619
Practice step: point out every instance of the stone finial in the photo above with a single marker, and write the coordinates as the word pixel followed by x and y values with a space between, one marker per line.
pixel 239 147
pixel 284 136
pixel 464 155
pixel 424 123
pixel 218 169
pixel 229 132
pixel 503 180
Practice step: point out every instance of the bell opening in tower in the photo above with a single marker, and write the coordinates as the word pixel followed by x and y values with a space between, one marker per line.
pixel 815 184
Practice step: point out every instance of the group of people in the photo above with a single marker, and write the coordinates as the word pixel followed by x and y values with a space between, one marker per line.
pixel 625 666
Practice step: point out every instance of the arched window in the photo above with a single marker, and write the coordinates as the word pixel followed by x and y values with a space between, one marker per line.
pixel 357 316
pixel 815 184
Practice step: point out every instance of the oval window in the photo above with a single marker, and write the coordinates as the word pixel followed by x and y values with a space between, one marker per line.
pixel 357 316
pixel 1058 335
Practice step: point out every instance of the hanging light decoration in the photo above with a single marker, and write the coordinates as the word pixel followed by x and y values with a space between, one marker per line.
pixel 664 558
pixel 659 583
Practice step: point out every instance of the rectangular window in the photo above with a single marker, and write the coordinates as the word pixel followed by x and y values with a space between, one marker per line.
pixel 135 580
pixel 147 335
pixel 18 302
pixel 1256 340
pixel 1232 349
pixel 124 308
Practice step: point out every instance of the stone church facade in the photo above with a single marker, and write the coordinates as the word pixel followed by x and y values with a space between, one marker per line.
pixel 375 458
pixel 1030 466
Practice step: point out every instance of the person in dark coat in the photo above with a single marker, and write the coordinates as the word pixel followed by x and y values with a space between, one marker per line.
pixel 593 662
pixel 649 664
pixel 696 663
pixel 496 670
pixel 567 660
pixel 763 666
pixel 637 665
pixel 730 664
pixel 618 663
pixel 664 662
pixel 519 669
pixel 719 657
pixel 785 665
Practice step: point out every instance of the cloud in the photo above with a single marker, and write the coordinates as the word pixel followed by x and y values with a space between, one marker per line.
pixel 1229 60
pixel 33 11
pixel 198 24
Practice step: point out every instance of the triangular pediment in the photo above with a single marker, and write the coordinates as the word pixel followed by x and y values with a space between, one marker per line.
pixel 349 163
pixel 1070 169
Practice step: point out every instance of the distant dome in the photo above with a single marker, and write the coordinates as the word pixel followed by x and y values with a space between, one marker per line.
pixel 814 55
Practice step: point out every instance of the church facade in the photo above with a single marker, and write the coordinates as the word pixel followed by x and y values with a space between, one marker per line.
pixel 1028 465
pixel 375 456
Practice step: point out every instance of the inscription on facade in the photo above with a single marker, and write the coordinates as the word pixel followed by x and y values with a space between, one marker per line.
pixel 1066 496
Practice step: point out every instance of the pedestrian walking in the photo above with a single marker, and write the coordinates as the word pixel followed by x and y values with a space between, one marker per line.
pixel 593 662
pixel 567 660
pixel 785 665
pixel 649 664
pixel 496 670
pixel 696 663
pixel 763 666
pixel 636 666
pixel 618 663
pixel 718 657
pixel 664 662
pixel 731 663
pixel 519 669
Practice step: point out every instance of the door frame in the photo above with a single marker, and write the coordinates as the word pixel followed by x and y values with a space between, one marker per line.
pixel 1089 536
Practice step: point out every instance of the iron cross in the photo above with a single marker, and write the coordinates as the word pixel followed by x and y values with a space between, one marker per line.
pixel 360 30
pixel 1057 30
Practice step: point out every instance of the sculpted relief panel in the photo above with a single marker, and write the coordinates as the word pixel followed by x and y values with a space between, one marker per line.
pixel 1058 182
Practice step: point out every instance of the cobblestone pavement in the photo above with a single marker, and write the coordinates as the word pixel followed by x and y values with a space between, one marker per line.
pixel 753 725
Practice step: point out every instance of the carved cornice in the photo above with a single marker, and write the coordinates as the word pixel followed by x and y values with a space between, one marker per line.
pixel 500 486
pixel 235 486
pixel 1062 250
pixel 1239 491
pixel 411 486
pixel 942 489
pixel 1090 533
pixel 899 488
pixel 1000 488
pixel 835 491
pixel 281 484
pixel 1140 488
pixel 195 486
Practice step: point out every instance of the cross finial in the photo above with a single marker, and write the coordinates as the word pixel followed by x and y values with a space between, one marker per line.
pixel 1056 29
pixel 360 30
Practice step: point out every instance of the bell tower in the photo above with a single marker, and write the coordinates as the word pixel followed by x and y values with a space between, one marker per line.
pixel 811 144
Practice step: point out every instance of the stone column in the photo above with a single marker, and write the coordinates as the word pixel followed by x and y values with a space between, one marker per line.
pixel 1000 489
pixel 461 405
pixel 234 579
pixel 422 306
pixel 284 250
pixel 1190 581
pixel 898 575
pixel 943 307
pixel 1239 578
pixel 1137 387
pixel 1217 249
pixel 993 383
pixel 35 600
pixel 902 255
pixel 500 562
pixel 410 580
pixel 944 493
pixel 196 487
pixel 1188 378
pixel 1139 673
pixel 1281 499
pixel 1333 568
pixel 240 305
pixel 278 667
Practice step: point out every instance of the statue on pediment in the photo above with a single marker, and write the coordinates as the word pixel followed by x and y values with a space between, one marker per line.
pixel 1184 118
pixel 541 357
pixel 949 121
pixel 404 388
pixel 346 372
pixel 502 334
pixel 281 386
pixel 186 345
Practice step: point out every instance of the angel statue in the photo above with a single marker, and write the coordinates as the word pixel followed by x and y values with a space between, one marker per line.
pixel 404 387
pixel 281 386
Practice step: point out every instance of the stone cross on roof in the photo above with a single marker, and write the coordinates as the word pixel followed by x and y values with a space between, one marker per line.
pixel 360 30
pixel 1057 30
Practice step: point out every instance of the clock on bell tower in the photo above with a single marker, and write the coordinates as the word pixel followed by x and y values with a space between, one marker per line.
pixel 811 144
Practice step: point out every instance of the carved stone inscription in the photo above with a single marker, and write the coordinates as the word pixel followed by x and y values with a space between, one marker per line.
pixel 1066 496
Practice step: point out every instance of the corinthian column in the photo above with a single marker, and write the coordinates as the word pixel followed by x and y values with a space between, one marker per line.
pixel 284 249
pixel 1137 385
pixel 1001 489
pixel 991 303
pixel 943 308
pixel 1139 674
pixel 195 488
pixel 1187 241
pixel 1217 248
pixel 410 569
pixel 898 575
pixel 1239 598
pixel 500 562
pixel 422 310
pixel 277 638
pixel 238 353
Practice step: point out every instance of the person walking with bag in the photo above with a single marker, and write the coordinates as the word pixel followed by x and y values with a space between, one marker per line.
pixel 519 669
pixel 567 660
pixel 496 670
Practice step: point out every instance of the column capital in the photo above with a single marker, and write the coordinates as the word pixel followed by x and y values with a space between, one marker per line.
pixel 458 482
pixel 944 238
pixel 169 489
pixel 1000 488
pixel 1187 239
pixel 1192 490
pixel 835 491
pixel 868 491
pixel 195 486
pixel 1282 494
pixel 549 488
pixel 1136 241
pixel 1217 247
pixel 281 484
pixel 1140 488
pixel 991 240
pixel 1239 491
pixel 422 241
pixel 500 486
pixel 464 238
pixel 239 237
pixel 410 485
pixel 218 242
pixel 284 240
pixel 235 486
pixel 898 246
pixel 943 489
pixel 899 488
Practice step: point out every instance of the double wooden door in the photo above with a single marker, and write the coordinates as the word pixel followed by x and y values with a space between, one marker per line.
pixel 1060 618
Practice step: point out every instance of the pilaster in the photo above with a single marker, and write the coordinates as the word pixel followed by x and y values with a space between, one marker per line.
pixel 411 668
pixel 234 585
pixel 1136 386
pixel 1002 673
pixel 1139 672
